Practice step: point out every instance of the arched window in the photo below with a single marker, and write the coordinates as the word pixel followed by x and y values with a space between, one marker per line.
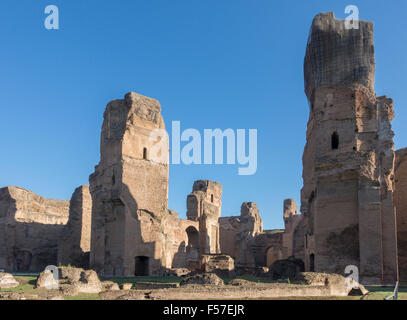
pixel 335 141
pixel 212 198
pixel 193 237
pixel 145 153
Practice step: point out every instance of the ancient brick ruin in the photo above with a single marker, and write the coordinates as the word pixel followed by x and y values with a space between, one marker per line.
pixel 353 207
pixel 30 227
pixel 348 162
pixel 400 199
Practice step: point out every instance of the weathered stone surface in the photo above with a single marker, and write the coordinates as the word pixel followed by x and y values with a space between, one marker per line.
pixel 178 272
pixel 122 295
pixel 126 286
pixel 88 283
pixel 220 264
pixel 47 280
pixel 36 232
pixel 132 295
pixel 110 286
pixel 293 237
pixel 337 57
pixel 27 296
pixel 203 279
pixel 30 228
pixel 70 274
pixel 68 290
pixel 7 281
pixel 204 205
pixel 241 283
pixel 348 161
pixel 12 296
pixel 85 281
pixel 74 245
pixel 244 239
pixel 129 191
pixel 338 284
pixel 238 235
pixel 400 200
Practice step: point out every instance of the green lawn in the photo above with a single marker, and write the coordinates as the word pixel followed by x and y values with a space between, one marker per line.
pixel 27 284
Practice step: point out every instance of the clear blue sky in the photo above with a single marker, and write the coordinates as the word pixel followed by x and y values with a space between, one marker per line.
pixel 212 64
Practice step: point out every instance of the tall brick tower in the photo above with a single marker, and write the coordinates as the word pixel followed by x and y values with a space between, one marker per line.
pixel 129 187
pixel 348 161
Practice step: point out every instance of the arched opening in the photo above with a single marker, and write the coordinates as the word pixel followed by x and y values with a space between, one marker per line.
pixel 193 244
pixel 335 141
pixel 141 266
pixel 212 198
pixel 312 262
pixel 23 260
pixel 272 255
pixel 193 237
pixel 145 153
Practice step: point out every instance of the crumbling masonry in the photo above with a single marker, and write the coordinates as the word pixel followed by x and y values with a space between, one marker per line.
pixel 348 162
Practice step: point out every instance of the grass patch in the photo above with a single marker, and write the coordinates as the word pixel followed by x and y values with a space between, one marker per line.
pixel 27 284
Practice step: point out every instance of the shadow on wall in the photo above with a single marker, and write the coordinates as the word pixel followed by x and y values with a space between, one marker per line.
pixel 180 256
pixel 120 246
pixel 75 234
pixel 32 246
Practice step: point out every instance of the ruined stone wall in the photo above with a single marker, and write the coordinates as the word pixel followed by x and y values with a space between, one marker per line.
pixel 267 247
pixel 30 228
pixel 74 244
pixel 244 239
pixel 293 236
pixel 204 205
pixel 133 232
pixel 228 230
pixel 237 235
pixel 400 200
pixel 347 198
pixel 130 189
pixel 250 226
pixel 221 264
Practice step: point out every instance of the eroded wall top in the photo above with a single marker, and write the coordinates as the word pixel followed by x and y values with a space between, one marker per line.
pixel 28 207
pixel 127 127
pixel 338 57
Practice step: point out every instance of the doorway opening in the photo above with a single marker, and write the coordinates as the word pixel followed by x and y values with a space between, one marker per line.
pixel 335 141
pixel 141 266
pixel 312 263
